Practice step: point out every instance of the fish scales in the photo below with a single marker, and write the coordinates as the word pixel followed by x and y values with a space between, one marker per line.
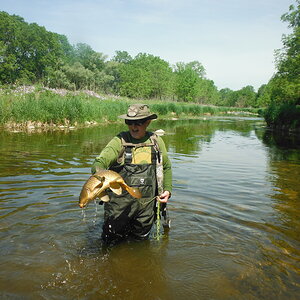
pixel 96 185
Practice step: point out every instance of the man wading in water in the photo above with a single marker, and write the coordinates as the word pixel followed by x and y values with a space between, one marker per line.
pixel 140 157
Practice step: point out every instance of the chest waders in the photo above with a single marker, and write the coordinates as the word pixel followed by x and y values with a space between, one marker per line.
pixel 124 215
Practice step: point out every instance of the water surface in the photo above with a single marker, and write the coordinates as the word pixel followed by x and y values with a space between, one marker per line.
pixel 235 217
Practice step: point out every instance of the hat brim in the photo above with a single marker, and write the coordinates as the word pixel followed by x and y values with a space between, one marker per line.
pixel 150 117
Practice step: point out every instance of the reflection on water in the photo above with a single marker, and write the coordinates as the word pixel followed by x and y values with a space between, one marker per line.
pixel 234 211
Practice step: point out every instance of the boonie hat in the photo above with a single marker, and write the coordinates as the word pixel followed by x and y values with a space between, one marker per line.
pixel 138 112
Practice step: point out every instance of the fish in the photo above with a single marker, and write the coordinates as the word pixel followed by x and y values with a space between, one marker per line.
pixel 96 185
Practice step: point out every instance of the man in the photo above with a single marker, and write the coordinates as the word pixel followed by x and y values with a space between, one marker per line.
pixel 140 157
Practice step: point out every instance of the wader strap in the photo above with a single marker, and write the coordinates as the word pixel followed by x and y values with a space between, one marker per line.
pixel 153 138
pixel 128 155
pixel 153 155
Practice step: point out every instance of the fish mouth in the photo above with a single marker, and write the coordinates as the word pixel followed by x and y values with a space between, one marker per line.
pixel 84 197
pixel 82 204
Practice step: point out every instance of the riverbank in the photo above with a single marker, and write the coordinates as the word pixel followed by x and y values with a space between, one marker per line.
pixel 30 108
pixel 283 117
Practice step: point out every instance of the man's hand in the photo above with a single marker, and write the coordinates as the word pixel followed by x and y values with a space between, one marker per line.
pixel 164 196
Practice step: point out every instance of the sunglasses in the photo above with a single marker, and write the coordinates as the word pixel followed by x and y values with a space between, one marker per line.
pixel 135 122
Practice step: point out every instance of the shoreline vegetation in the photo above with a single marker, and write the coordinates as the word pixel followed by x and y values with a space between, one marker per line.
pixel 29 108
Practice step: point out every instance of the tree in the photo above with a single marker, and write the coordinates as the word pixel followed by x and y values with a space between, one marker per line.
pixel 82 77
pixel 89 58
pixel 112 84
pixel 286 81
pixel 208 92
pixel 122 57
pixel 263 95
pixel 197 67
pixel 246 97
pixel 187 80
pixel 67 48
pixel 225 97
pixel 9 45
pixel 145 76
pixel 26 49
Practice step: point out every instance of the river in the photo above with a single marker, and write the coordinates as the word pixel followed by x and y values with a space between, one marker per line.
pixel 235 215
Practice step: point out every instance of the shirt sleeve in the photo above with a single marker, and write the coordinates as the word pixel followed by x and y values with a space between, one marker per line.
pixel 167 167
pixel 108 155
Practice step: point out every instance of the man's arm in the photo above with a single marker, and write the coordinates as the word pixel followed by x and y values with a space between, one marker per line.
pixel 108 155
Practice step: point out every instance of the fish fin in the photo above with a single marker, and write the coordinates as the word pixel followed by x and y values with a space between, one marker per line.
pixel 100 193
pixel 103 197
pixel 99 185
pixel 134 192
pixel 116 188
pixel 101 180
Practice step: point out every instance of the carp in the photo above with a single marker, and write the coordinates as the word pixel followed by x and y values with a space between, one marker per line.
pixel 96 185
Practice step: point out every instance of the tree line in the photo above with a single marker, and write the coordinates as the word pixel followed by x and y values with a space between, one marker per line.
pixel 31 54
pixel 282 93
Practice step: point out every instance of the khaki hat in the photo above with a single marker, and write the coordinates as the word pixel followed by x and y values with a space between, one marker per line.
pixel 138 112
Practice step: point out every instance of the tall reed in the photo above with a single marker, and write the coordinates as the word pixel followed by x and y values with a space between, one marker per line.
pixel 47 107
pixel 51 108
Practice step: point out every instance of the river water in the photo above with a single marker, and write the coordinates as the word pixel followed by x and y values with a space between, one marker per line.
pixel 235 217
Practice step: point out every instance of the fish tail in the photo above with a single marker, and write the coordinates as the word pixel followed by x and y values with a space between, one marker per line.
pixel 134 192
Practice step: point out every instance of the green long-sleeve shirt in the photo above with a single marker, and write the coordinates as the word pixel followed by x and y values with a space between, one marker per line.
pixel 110 154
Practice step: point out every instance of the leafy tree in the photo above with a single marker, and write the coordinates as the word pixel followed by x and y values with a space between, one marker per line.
pixel 135 80
pixel 79 75
pixel 89 58
pixel 26 49
pixel 226 97
pixel 58 79
pixel 112 72
pixel 161 75
pixel 145 76
pixel 286 82
pixel 9 44
pixel 264 95
pixel 67 49
pixel 122 57
pixel 186 82
pixel 246 97
pixel 284 88
pixel 39 50
pixel 208 92
pixel 197 67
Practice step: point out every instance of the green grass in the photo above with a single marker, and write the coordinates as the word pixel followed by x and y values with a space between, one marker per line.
pixel 193 109
pixel 48 107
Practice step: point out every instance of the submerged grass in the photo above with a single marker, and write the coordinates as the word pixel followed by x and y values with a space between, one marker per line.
pixel 47 107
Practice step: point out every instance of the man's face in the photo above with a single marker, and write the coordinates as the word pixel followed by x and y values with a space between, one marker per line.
pixel 137 129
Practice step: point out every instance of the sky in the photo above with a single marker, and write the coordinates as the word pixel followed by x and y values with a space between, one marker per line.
pixel 234 40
